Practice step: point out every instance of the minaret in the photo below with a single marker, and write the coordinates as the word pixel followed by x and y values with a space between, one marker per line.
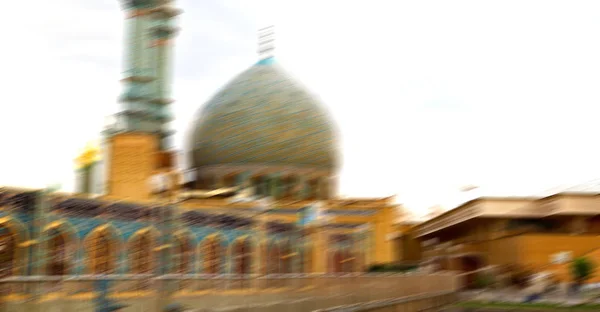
pixel 138 141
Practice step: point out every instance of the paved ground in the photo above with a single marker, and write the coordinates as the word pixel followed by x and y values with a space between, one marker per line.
pixel 513 295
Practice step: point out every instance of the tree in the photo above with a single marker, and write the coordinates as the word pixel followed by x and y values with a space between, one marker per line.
pixel 581 270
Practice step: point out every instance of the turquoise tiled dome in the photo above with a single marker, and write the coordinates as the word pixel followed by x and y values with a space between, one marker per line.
pixel 263 116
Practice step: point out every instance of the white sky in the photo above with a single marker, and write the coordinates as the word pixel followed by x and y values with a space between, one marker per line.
pixel 429 95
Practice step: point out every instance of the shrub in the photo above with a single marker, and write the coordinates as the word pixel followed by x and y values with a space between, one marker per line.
pixel 581 269
pixel 520 276
pixel 484 280
pixel 390 267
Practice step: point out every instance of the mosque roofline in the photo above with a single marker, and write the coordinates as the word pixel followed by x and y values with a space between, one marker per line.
pixel 21 189
pixel 510 214
pixel 481 199
pixel 570 193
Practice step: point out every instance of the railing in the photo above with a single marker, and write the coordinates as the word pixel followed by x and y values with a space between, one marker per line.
pixel 225 291
pixel 421 302
pixel 470 279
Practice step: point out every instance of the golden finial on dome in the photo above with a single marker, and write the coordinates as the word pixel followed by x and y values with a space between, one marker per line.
pixel 89 156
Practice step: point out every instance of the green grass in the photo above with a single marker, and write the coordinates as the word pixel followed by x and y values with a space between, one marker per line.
pixel 527 306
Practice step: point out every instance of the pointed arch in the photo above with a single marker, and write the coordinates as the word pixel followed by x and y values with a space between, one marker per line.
pixel 306 258
pixel 335 261
pixel 360 261
pixel 58 263
pixel 102 247
pixel 241 252
pixel 65 227
pixel 149 231
pixel 184 251
pixel 348 261
pixel 212 254
pixel 286 257
pixel 304 255
pixel 140 251
pixel 273 258
pixel 261 257
pixel 62 245
pixel 13 254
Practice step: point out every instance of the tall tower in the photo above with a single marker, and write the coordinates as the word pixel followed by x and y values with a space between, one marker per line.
pixel 138 141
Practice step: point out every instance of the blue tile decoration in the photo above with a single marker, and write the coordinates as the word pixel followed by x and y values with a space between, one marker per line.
pixel 264 116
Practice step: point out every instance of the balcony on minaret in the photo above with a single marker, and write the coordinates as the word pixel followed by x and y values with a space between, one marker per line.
pixel 136 4
pixel 166 11
pixel 138 75
pixel 162 33
pixel 162 101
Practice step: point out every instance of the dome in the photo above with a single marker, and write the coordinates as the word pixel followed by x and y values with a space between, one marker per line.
pixel 265 117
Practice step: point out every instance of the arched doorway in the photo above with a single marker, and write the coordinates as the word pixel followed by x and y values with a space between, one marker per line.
pixel 140 252
pixel 8 243
pixel 359 262
pixel 241 261
pixel 8 257
pixel 286 259
pixel 263 258
pixel 273 260
pixel 141 256
pixel 101 252
pixel 57 253
pixel 337 262
pixel 306 260
pixel 242 256
pixel 212 251
pixel 183 248
pixel 347 262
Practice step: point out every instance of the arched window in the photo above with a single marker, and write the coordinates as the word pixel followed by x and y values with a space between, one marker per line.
pixel 212 251
pixel 184 252
pixel 140 249
pixel 57 253
pixel 7 252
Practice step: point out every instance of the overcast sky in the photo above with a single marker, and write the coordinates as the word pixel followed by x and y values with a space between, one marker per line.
pixel 429 95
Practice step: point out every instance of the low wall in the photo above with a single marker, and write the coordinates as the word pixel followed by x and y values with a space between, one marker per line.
pixel 234 293
pixel 416 303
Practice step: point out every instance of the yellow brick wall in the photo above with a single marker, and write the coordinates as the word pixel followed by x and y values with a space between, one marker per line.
pixel 132 162
pixel 534 251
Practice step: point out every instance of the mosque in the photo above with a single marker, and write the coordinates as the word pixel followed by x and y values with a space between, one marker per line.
pixel 259 194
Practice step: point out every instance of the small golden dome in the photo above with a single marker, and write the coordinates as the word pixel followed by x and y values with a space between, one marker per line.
pixel 89 156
